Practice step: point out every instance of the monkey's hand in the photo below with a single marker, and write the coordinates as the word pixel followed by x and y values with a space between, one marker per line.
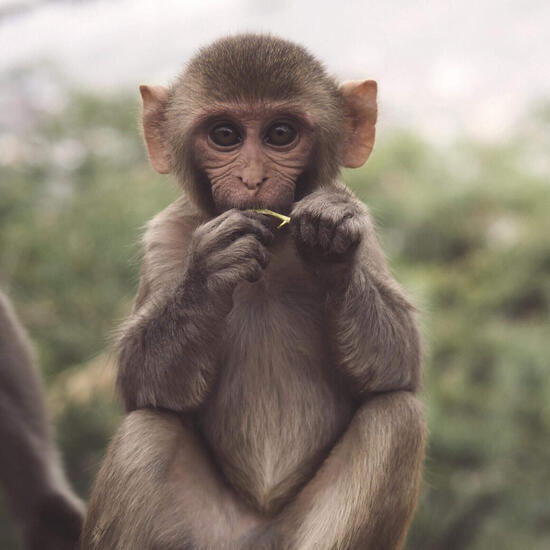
pixel 328 228
pixel 168 350
pixel 228 249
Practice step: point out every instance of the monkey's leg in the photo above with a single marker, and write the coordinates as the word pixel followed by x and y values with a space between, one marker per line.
pixel 46 510
pixel 159 490
pixel 364 494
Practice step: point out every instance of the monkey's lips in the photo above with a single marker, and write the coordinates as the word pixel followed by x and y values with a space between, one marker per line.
pixel 273 194
pixel 247 202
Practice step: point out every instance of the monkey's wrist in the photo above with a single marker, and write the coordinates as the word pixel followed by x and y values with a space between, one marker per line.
pixel 219 295
pixel 201 293
pixel 329 268
pixel 335 277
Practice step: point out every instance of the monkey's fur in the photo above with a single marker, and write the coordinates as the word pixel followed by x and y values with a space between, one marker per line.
pixel 47 513
pixel 273 371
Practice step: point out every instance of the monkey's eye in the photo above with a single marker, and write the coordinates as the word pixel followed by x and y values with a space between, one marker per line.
pixel 225 135
pixel 280 134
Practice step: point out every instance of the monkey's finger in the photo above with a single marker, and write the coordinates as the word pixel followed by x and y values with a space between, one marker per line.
pixel 258 230
pixel 347 234
pixel 250 271
pixel 307 231
pixel 240 224
pixel 326 231
pixel 218 220
pixel 263 256
pixel 251 222
pixel 251 248
pixel 245 247
pixel 340 242
pixel 312 205
pixel 205 235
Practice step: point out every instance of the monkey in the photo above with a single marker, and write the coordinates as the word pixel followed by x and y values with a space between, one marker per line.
pixel 270 375
pixel 47 513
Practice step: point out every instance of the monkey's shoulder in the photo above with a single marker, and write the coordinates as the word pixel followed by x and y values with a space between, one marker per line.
pixel 166 240
pixel 173 224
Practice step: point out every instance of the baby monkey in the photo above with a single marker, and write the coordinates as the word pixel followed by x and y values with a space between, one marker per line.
pixel 269 374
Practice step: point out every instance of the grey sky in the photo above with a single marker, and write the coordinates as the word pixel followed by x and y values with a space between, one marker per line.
pixel 443 67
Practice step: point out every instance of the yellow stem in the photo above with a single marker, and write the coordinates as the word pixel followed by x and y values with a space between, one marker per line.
pixel 284 219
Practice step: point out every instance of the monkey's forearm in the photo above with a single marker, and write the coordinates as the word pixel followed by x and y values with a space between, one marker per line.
pixel 374 334
pixel 167 350
pixel 37 493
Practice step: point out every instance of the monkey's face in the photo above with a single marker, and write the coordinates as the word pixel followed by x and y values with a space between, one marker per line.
pixel 255 122
pixel 253 155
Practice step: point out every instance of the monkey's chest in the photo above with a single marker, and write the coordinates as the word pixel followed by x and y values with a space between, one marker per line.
pixel 279 404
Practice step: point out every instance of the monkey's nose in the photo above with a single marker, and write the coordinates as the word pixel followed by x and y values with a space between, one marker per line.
pixel 252 184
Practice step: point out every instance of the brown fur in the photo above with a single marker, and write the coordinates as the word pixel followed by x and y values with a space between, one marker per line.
pixel 289 357
pixel 47 513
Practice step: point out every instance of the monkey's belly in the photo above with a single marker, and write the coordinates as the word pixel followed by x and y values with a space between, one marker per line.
pixel 278 406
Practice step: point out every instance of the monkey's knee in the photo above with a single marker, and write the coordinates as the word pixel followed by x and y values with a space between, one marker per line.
pixel 409 413
pixel 392 436
pixel 145 437
pixel 397 417
pixel 414 420
pixel 128 492
pixel 140 451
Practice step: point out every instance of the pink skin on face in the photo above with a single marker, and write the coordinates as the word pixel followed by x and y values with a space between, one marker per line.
pixel 254 172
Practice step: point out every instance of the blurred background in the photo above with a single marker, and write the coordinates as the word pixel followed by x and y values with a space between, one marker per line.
pixel 459 184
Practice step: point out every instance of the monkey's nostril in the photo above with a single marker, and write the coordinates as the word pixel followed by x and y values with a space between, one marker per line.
pixel 252 185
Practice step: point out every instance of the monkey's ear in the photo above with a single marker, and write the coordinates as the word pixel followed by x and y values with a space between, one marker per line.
pixel 154 100
pixel 360 119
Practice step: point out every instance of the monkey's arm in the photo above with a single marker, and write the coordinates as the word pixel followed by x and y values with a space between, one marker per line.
pixel 38 495
pixel 364 494
pixel 374 335
pixel 168 348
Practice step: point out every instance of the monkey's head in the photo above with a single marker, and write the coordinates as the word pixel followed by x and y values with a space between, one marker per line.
pixel 255 122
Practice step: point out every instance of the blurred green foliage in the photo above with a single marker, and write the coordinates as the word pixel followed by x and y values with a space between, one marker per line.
pixel 467 231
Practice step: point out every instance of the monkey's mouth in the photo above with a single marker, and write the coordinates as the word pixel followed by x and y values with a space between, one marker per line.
pixel 278 211
pixel 260 203
pixel 270 196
